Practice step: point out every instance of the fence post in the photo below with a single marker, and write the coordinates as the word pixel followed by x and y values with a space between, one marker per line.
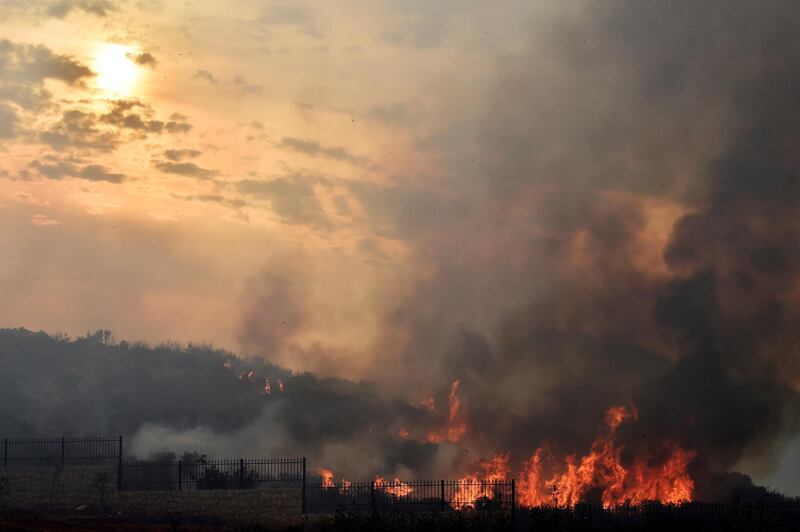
pixel 303 508
pixel 180 474
pixel 442 495
pixel 372 497
pixel 119 464
pixel 62 450
pixel 513 505
pixel 5 452
pixel 241 473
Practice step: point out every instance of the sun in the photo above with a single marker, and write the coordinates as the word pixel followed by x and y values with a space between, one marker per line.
pixel 116 73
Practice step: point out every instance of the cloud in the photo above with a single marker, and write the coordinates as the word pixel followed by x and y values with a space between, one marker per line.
pixel 143 59
pixel 292 198
pixel 176 127
pixel 178 155
pixel 206 75
pixel 247 88
pixel 313 148
pixel 121 116
pixel 77 129
pixel 20 63
pixel 185 169
pixel 96 172
pixel 8 121
pixel 62 8
pixel 292 15
pixel 399 113
pixel 234 203
pixel 42 220
pixel 59 169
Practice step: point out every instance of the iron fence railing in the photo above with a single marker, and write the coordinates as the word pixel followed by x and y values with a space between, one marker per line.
pixel 60 451
pixel 198 474
pixel 423 495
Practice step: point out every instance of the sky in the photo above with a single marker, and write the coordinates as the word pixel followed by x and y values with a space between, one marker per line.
pixel 402 191
pixel 161 158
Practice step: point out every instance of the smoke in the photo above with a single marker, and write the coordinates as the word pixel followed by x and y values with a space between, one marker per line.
pixel 626 232
pixel 615 225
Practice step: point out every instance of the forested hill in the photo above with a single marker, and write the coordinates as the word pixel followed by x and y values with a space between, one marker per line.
pixel 92 385
pixel 52 385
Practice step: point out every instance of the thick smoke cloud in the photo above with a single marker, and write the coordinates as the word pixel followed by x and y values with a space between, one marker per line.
pixel 625 233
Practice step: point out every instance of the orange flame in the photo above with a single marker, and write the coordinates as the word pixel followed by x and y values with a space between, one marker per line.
pixel 481 485
pixel 396 487
pixel 327 477
pixel 667 481
pixel 456 426
pixel 267 387
pixel 403 433
pixel 425 404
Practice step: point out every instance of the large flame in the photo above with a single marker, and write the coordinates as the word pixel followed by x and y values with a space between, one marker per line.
pixel 395 487
pixel 456 426
pixel 471 488
pixel 649 478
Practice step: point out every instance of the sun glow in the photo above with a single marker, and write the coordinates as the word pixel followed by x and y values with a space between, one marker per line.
pixel 116 72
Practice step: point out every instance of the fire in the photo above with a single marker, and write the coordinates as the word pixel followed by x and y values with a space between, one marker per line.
pixel 396 487
pixel 227 365
pixel 456 426
pixel 327 477
pixel 251 375
pixel 425 404
pixel 481 485
pixel 280 385
pixel 267 387
pixel 647 479
pixel 403 432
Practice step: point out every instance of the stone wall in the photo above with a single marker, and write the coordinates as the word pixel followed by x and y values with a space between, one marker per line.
pixel 95 487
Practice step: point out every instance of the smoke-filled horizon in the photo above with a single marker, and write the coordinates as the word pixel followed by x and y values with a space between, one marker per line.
pixel 540 214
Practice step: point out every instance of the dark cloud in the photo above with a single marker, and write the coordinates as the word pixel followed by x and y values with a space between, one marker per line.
pixel 206 75
pixel 294 16
pixel 25 63
pixel 62 8
pixel 144 59
pixel 177 127
pixel 244 87
pixel 122 115
pixel 292 198
pixel 313 148
pixel 402 114
pixel 234 203
pixel 179 155
pixel 78 130
pixel 59 169
pixel 186 169
pixel 8 121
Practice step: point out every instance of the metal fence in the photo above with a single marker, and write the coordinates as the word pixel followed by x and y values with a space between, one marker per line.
pixel 759 515
pixel 211 474
pixel 61 451
pixel 392 496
